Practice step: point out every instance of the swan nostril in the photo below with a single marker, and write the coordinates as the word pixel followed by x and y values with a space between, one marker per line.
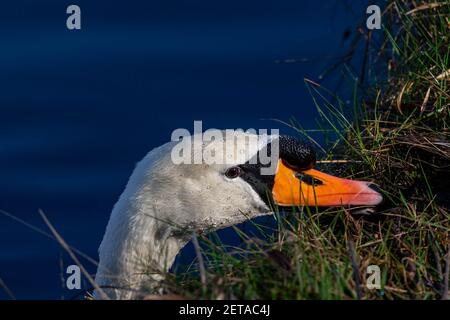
pixel 306 178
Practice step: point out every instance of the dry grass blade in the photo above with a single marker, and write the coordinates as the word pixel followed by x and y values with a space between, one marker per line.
pixel 46 234
pixel 444 75
pixel 405 88
pixel 8 291
pixel 426 6
pixel 201 264
pixel 338 161
pixel 164 297
pixel 446 276
pixel 66 247
pixel 355 267
pixel 425 100
pixel 312 82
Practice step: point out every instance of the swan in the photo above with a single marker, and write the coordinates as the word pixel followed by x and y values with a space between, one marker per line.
pixel 165 202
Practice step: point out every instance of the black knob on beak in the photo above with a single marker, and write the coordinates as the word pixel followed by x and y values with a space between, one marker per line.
pixel 295 154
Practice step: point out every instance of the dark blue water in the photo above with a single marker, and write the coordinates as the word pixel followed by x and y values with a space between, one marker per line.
pixel 78 109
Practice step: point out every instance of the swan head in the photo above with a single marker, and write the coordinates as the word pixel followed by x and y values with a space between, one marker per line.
pixel 235 176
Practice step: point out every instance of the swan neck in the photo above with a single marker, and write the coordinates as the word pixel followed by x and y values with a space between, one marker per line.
pixel 136 252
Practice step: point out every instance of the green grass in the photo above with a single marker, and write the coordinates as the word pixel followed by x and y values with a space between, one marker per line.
pixel 396 134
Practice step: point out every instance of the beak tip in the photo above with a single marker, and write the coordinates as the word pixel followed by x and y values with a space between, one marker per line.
pixel 375 197
pixel 369 197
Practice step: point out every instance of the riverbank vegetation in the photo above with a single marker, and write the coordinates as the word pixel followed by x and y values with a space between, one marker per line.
pixel 395 133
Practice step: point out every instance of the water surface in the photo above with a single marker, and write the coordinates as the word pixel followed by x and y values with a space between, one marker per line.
pixel 78 109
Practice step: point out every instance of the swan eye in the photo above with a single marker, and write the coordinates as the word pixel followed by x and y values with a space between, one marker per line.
pixel 233 172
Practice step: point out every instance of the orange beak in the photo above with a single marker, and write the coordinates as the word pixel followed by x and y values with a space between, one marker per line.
pixel 314 188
